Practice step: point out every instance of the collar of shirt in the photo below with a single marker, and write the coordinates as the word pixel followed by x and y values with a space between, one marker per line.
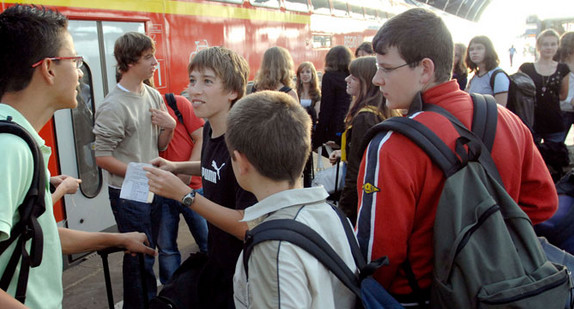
pixel 284 199
pixel 7 110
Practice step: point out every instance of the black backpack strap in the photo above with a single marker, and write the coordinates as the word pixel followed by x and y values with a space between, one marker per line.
pixel 365 269
pixel 28 227
pixel 357 256
pixel 170 98
pixel 484 118
pixel 305 238
pixel 426 139
pixel 285 89
pixel 477 150
pixel 493 76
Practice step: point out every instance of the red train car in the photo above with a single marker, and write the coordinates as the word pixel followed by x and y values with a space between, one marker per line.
pixel 180 28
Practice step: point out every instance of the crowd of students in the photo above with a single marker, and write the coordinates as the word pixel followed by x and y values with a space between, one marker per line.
pixel 551 75
pixel 255 153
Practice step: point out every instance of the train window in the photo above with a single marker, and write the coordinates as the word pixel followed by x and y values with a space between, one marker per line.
pixel 265 3
pixel 297 5
pixel 322 41
pixel 356 10
pixel 340 8
pixel 321 6
pixel 85 35
pixel 82 124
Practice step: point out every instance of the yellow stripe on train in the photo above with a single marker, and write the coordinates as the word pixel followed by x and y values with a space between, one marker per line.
pixel 177 7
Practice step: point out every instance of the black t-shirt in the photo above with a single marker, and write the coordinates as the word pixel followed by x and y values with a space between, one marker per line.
pixel 547 114
pixel 221 187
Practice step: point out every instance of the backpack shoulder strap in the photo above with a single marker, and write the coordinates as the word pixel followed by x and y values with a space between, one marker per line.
pixel 170 98
pixel 423 137
pixel 28 227
pixel 477 149
pixel 493 76
pixel 484 118
pixel 305 238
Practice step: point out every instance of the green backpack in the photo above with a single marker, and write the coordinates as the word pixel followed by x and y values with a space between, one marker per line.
pixel 487 254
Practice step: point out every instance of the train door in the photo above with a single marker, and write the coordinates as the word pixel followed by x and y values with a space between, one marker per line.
pixel 89 209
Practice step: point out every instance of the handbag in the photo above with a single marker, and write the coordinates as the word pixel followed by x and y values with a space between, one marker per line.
pixel 331 178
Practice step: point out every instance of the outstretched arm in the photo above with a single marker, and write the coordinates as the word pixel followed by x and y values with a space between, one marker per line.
pixel 168 185
pixel 183 167
pixel 74 241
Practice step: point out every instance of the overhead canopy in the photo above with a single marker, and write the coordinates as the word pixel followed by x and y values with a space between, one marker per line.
pixel 467 9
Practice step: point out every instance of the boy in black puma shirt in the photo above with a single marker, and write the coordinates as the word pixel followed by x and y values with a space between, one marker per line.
pixel 217 79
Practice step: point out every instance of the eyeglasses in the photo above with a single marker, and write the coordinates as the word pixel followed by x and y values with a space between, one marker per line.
pixel 78 60
pixel 389 70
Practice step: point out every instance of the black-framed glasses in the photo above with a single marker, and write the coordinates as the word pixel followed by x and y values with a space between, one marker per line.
pixel 389 70
pixel 78 60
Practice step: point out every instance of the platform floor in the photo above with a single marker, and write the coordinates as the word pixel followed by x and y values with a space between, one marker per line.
pixel 84 285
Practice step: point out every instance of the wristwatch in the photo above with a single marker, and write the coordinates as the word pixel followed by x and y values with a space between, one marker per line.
pixel 188 199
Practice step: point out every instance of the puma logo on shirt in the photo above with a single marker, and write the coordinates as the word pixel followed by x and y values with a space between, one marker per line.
pixel 212 175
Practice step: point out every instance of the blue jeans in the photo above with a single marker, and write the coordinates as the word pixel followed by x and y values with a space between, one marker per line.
pixel 169 256
pixel 134 216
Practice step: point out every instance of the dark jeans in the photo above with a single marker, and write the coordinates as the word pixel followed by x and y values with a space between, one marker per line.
pixel 134 216
pixel 169 256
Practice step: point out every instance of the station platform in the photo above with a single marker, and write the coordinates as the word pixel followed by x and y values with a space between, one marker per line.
pixel 84 284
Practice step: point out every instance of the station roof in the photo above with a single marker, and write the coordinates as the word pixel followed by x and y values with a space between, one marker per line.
pixel 467 9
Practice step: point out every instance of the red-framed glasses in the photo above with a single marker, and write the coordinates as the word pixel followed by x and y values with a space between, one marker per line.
pixel 79 60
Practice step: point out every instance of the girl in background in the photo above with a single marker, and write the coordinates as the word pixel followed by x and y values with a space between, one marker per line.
pixel 334 98
pixel 482 60
pixel 310 98
pixel 459 70
pixel 276 72
pixel 551 80
pixel 365 49
pixel 308 89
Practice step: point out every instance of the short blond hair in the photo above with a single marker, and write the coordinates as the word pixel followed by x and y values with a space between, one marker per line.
pixel 548 33
pixel 273 131
pixel 230 67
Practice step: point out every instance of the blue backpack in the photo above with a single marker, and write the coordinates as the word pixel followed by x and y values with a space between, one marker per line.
pixel 367 289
